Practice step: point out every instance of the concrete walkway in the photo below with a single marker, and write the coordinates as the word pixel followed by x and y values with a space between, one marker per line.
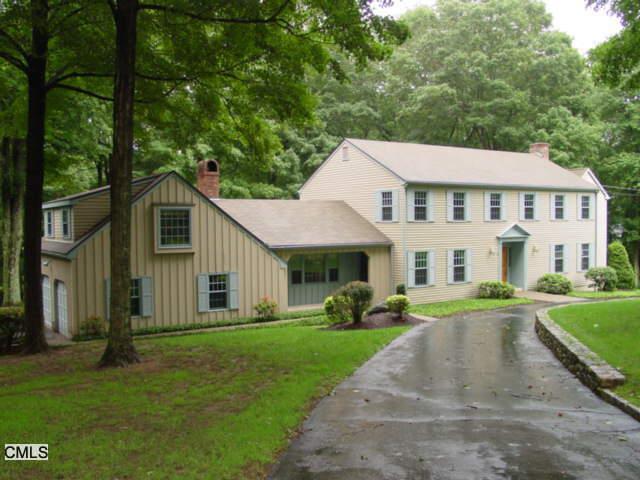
pixel 547 297
pixel 470 397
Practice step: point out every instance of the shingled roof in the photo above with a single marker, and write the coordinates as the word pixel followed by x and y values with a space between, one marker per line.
pixel 283 224
pixel 439 165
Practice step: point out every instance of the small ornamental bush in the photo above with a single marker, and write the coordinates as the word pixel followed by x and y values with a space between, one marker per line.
pixel 93 326
pixel 359 295
pixel 401 289
pixel 604 279
pixel 11 326
pixel 618 259
pixel 398 304
pixel 496 290
pixel 554 283
pixel 266 309
pixel 337 309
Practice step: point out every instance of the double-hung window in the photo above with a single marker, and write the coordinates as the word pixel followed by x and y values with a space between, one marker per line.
pixel 494 206
pixel 558 207
pixel 420 205
pixel 48 223
pixel 387 207
pixel 459 265
pixel 136 299
pixel 584 256
pixel 457 205
pixel 218 291
pixel 66 223
pixel 140 298
pixel 421 268
pixel 585 207
pixel 528 206
pixel 174 227
pixel 558 258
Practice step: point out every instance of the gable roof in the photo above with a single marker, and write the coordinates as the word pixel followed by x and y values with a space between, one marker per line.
pixel 303 223
pixel 514 231
pixel 582 172
pixel 441 165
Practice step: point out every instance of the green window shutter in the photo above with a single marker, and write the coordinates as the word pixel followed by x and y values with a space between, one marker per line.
pixel 487 206
pixel 107 298
pixel 430 206
pixel 503 206
pixel 535 207
pixel 411 213
pixel 521 205
pixel 146 292
pixel 203 292
pixel 468 262
pixel 395 209
pixel 411 269
pixel 579 206
pixel 450 266
pixel 378 204
pixel 450 206
pixel 233 290
pixel 432 267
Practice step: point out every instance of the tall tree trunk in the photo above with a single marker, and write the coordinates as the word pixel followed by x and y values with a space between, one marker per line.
pixel 37 64
pixel 13 177
pixel 120 350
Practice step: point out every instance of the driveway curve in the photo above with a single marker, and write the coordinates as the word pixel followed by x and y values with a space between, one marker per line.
pixel 470 397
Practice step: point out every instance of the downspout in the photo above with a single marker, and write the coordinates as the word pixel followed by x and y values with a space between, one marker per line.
pixel 403 220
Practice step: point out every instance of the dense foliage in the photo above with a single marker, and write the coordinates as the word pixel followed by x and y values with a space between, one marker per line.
pixel 604 279
pixel 359 296
pixel 337 309
pixel 618 259
pixel 11 326
pixel 398 304
pixel 554 283
pixel 496 290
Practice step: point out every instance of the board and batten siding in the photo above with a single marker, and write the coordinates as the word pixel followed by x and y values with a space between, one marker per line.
pixel 379 265
pixel 357 181
pixel 219 246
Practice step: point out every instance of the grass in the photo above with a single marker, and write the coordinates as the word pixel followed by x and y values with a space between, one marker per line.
pixel 444 309
pixel 605 295
pixel 213 405
pixel 612 330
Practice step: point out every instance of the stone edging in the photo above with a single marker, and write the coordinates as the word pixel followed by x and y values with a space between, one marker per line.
pixel 590 369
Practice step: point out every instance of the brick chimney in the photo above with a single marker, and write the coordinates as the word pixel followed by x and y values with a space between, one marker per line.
pixel 540 149
pixel 209 178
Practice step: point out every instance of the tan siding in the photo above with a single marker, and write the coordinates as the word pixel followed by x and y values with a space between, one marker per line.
pixel 356 181
pixel 218 246
pixel 59 270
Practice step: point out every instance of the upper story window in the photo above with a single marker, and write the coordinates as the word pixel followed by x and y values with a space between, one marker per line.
pixel 457 206
pixel 557 207
pixel 585 207
pixel 558 258
pixel 387 206
pixel 419 206
pixel 494 206
pixel 174 227
pixel 48 223
pixel 527 206
pixel 66 223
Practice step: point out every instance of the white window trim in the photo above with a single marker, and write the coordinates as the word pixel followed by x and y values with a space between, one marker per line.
pixel 468 276
pixel 579 206
pixel 552 205
pixel 580 256
pixel 522 207
pixel 69 236
pixel 49 213
pixel 450 206
pixel 411 205
pixel 232 285
pixel 487 206
pixel 394 206
pixel 431 269
pixel 159 211
pixel 552 258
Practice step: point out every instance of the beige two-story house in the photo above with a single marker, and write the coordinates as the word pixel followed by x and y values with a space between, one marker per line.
pixel 459 216
pixel 439 220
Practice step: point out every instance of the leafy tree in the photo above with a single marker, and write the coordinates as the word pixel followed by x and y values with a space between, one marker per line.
pixel 618 259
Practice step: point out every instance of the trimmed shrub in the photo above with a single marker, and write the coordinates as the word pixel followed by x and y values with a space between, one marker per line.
pixel 554 283
pixel 266 309
pixel 398 304
pixel 496 290
pixel 604 278
pixel 359 296
pixel 11 326
pixel 337 309
pixel 618 259
pixel 401 289
pixel 93 326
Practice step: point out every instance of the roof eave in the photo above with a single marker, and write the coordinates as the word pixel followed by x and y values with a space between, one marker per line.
pixel 329 245
pixel 498 186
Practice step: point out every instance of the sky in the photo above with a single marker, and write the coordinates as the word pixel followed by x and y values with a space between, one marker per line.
pixel 587 27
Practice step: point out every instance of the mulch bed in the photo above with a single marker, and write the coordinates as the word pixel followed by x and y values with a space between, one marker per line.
pixel 378 320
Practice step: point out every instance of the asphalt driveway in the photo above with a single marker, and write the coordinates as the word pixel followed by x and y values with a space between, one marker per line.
pixel 475 397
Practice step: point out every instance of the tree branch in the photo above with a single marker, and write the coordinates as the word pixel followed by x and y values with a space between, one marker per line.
pixel 14 43
pixel 205 18
pixel 16 62
pixel 83 91
pixel 55 81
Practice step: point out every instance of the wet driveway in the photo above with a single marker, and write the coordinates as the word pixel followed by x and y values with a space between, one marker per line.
pixel 476 397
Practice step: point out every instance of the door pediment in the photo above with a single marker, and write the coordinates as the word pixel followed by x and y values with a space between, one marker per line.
pixel 515 231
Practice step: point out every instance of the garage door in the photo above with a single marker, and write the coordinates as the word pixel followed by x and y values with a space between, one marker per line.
pixel 46 300
pixel 62 318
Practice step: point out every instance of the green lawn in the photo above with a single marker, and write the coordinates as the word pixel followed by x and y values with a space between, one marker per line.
pixel 215 405
pixel 443 309
pixel 604 295
pixel 612 330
